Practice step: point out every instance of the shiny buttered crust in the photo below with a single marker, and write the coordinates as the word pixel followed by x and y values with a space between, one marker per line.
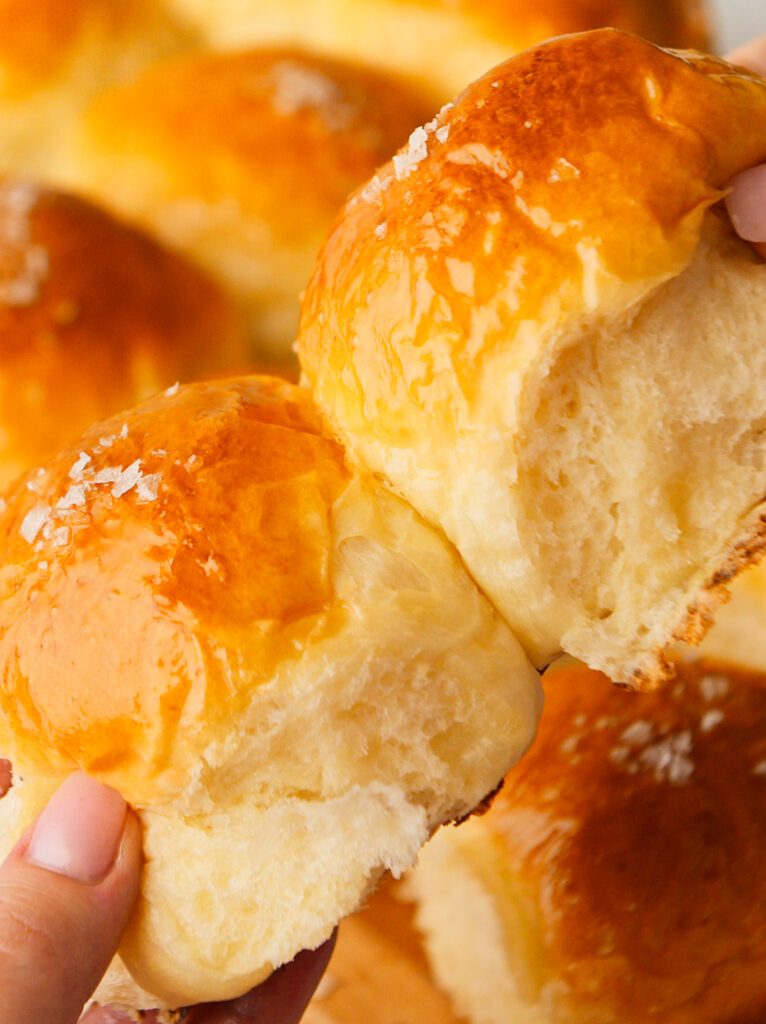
pixel 251 203
pixel 441 44
pixel 94 317
pixel 55 55
pixel 618 876
pixel 282 668
pixel 535 326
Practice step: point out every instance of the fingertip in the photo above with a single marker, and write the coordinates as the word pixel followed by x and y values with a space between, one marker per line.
pixel 752 55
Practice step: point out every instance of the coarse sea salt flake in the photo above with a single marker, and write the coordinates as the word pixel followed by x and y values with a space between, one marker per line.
pixel 638 733
pixel 148 487
pixel 381 230
pixel 714 687
pixel 74 496
pixel 711 719
pixel 417 150
pixel 668 758
pixel 107 475
pixel 569 745
pixel 61 536
pixel 76 471
pixel 442 134
pixel 172 390
pixel 127 479
pixel 34 521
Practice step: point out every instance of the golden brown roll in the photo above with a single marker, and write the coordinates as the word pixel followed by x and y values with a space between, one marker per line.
pixel 242 161
pixel 280 666
pixel 618 876
pixel 538 325
pixel 441 44
pixel 94 316
pixel 55 55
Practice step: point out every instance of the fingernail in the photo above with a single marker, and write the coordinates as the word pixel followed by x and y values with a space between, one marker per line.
pixel 746 204
pixel 79 832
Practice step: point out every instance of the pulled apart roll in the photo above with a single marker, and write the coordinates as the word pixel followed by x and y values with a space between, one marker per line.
pixel 251 203
pixel 94 317
pixel 618 877
pixel 539 327
pixel 56 55
pixel 280 666
pixel 441 44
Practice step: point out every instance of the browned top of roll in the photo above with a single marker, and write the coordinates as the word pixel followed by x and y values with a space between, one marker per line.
pixel 192 526
pixel 541 165
pixel 40 39
pixel 94 316
pixel 667 22
pixel 636 824
pixel 300 132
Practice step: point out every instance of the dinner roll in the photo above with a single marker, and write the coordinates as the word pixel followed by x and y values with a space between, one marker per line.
pixel 279 665
pixel 55 55
pixel 538 326
pixel 618 877
pixel 94 316
pixel 441 44
pixel 242 161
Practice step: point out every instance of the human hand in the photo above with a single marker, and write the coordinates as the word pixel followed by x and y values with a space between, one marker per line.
pixel 747 201
pixel 67 890
pixel 281 999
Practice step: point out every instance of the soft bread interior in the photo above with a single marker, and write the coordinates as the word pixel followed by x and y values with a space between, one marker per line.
pixel 634 461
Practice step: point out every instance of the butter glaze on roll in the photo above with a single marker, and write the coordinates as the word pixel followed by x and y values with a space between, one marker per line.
pixel 94 317
pixel 618 877
pixel 242 162
pixel 539 327
pixel 56 55
pixel 279 665
pixel 441 44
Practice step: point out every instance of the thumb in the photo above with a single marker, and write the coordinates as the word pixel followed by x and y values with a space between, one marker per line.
pixel 67 890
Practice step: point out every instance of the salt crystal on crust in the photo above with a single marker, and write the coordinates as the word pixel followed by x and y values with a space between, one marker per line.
pixel 34 521
pixel 127 479
pixel 76 471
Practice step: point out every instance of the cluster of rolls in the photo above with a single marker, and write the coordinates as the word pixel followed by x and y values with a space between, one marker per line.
pixel 300 629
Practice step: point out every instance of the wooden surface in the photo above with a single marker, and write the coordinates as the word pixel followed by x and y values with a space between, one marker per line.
pixel 378 973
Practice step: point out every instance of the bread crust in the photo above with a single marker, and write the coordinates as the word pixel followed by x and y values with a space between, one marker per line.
pixel 623 856
pixel 94 317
